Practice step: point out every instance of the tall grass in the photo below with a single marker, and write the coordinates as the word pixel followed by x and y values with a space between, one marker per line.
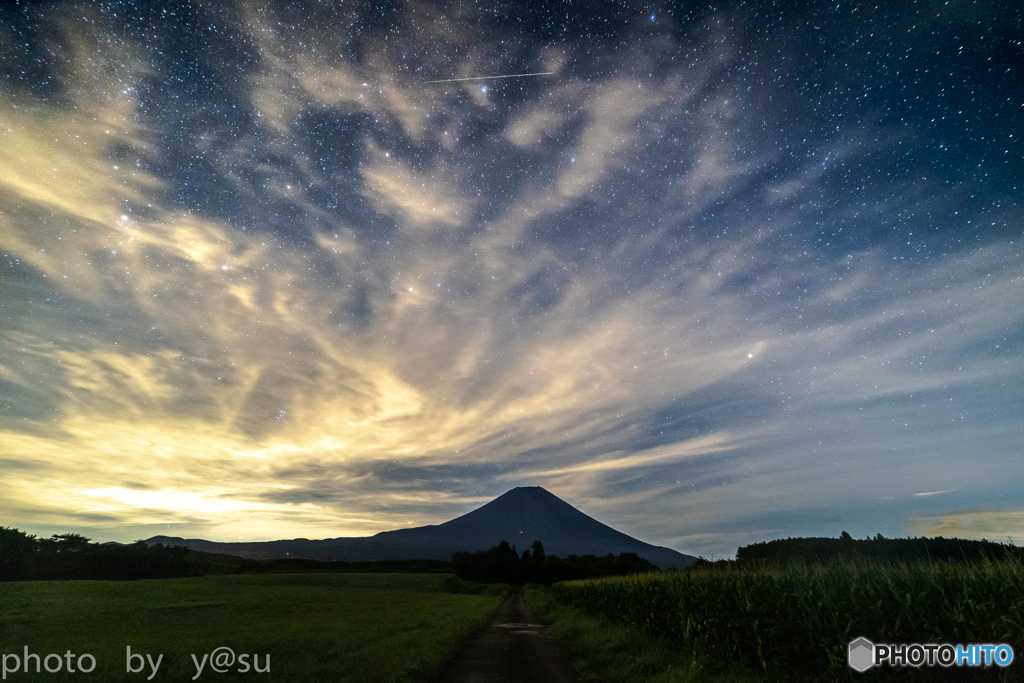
pixel 619 652
pixel 797 621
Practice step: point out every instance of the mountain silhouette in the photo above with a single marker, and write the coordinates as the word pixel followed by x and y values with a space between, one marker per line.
pixel 520 516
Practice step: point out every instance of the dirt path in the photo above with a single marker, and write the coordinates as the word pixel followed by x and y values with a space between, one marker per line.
pixel 515 648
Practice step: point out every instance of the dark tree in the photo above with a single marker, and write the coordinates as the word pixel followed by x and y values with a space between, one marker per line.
pixel 73 556
pixel 879 548
pixel 501 564
pixel 538 551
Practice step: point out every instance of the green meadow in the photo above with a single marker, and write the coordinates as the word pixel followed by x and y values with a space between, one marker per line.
pixel 313 627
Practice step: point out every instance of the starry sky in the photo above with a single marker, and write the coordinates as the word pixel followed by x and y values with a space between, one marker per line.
pixel 715 274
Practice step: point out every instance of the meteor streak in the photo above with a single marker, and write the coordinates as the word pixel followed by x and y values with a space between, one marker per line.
pixel 484 78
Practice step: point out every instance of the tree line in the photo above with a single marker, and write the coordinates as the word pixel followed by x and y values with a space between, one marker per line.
pixel 504 564
pixel 23 557
pixel 879 548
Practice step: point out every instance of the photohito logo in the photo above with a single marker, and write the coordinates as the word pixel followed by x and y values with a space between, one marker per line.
pixel 863 654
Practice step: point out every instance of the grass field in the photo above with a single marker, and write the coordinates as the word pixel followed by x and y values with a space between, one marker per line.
pixel 313 627
pixel 794 622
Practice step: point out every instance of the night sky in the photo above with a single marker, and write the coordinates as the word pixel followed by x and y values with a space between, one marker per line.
pixel 718 275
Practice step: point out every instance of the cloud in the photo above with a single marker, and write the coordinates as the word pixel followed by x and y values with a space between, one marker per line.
pixel 535 127
pixel 609 136
pixel 672 453
pixel 993 525
pixel 417 199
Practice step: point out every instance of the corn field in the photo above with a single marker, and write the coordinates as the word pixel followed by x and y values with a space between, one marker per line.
pixel 795 622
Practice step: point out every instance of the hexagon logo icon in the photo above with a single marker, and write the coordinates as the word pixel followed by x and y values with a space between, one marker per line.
pixel 862 654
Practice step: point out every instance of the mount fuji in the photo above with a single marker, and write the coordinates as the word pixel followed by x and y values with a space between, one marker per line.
pixel 520 516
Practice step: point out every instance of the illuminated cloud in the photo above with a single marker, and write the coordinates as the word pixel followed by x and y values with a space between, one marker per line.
pixel 994 525
pixel 330 298
pixel 416 199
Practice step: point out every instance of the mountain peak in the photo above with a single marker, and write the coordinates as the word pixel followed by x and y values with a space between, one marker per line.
pixel 531 513
pixel 523 492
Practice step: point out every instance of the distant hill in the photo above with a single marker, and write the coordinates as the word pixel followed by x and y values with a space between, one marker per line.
pixel 879 548
pixel 520 516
